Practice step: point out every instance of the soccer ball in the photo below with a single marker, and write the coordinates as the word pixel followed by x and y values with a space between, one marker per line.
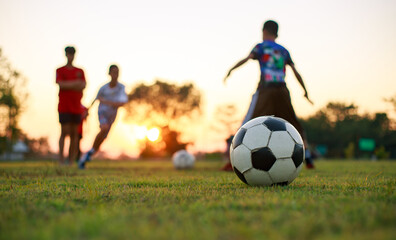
pixel 183 159
pixel 267 151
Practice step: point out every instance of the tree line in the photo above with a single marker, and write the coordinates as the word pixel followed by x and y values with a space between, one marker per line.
pixel 340 129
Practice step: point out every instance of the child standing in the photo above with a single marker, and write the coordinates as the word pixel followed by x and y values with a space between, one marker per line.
pixel 272 96
pixel 71 81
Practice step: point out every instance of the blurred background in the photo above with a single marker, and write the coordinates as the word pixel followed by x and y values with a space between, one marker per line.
pixel 344 51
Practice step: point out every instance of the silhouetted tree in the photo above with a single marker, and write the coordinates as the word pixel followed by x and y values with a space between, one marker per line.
pixel 13 95
pixel 391 100
pixel 38 147
pixel 226 120
pixel 168 106
pixel 171 140
pixel 337 111
pixel 340 127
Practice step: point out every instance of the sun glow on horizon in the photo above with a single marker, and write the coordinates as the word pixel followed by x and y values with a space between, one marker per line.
pixel 153 134
pixel 142 132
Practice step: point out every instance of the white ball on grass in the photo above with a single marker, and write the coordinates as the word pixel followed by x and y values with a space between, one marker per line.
pixel 183 159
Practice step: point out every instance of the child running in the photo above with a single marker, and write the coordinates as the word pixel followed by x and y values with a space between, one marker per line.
pixel 111 96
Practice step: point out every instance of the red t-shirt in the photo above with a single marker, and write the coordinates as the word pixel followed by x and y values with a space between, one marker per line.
pixel 69 100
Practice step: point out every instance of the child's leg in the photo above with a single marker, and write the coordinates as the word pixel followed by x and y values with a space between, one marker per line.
pixel 101 136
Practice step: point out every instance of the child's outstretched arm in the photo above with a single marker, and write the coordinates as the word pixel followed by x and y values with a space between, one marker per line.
pixel 93 102
pixel 300 80
pixel 240 63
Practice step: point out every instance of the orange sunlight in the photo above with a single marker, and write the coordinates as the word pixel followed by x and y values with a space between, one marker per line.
pixel 142 132
pixel 153 134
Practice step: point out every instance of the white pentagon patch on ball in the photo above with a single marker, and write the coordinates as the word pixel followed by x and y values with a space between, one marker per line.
pixel 267 151
pixel 281 144
pixel 256 137
pixel 257 177
pixel 239 154
pixel 183 159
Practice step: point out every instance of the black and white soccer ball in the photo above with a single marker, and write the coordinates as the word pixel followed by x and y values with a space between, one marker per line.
pixel 183 159
pixel 267 151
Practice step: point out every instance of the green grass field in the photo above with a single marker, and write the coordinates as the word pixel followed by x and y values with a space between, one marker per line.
pixel 151 200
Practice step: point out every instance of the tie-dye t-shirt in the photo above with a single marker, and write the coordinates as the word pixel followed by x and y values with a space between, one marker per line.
pixel 273 59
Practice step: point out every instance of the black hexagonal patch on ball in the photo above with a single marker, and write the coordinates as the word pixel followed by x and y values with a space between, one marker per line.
pixel 263 159
pixel 238 138
pixel 240 175
pixel 274 124
pixel 298 155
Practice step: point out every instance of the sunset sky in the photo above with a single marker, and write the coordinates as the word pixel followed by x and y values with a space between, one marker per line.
pixel 344 50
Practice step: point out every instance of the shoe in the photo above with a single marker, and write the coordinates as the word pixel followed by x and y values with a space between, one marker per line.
pixel 310 166
pixel 84 159
pixel 227 167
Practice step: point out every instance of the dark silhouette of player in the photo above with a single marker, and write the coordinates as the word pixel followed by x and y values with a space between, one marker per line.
pixel 272 96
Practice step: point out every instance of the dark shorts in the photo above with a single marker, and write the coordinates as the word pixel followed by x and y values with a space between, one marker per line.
pixel 106 117
pixel 275 100
pixel 69 118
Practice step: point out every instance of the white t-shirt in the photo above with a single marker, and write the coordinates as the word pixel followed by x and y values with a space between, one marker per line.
pixel 113 94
